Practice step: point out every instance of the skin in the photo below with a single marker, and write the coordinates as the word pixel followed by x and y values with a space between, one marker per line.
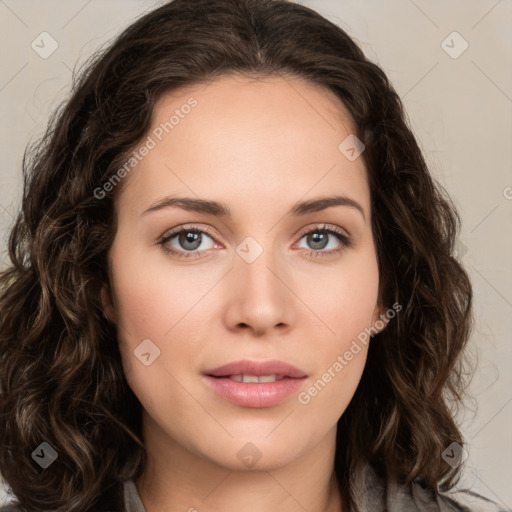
pixel 259 146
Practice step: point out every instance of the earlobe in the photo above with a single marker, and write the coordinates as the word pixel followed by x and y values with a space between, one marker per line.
pixel 106 303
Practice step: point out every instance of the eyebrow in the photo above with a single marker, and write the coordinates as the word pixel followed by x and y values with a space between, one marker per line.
pixel 220 209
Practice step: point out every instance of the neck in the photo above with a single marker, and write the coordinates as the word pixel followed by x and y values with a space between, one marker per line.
pixel 177 480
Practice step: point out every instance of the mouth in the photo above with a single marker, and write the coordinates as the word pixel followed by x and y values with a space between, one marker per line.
pixel 247 379
pixel 249 368
pixel 255 384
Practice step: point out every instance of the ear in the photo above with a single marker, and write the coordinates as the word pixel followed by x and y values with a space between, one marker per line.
pixel 106 303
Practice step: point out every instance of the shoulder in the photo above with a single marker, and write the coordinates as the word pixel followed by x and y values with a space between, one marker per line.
pixel 471 501
pixel 131 497
pixel 374 493
pixel 456 500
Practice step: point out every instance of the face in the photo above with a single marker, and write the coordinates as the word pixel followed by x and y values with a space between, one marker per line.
pixel 263 283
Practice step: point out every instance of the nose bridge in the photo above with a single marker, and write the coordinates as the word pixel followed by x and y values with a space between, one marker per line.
pixel 257 264
pixel 262 299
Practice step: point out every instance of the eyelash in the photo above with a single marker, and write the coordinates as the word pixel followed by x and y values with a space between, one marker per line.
pixel 345 240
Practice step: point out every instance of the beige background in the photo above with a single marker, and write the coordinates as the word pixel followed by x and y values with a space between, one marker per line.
pixel 459 108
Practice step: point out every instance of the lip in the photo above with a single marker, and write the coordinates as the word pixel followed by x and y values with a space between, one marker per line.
pixel 257 368
pixel 255 395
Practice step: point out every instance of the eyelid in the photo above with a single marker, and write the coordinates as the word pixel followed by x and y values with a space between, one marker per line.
pixel 208 230
pixel 341 234
pixel 189 227
pixel 168 235
pixel 322 226
pixel 344 238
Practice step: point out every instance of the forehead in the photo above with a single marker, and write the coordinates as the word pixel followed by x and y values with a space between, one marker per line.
pixel 305 101
pixel 248 138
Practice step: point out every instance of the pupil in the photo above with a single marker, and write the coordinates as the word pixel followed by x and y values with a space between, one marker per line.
pixel 190 237
pixel 319 239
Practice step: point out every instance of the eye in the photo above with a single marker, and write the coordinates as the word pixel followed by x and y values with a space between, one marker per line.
pixel 318 238
pixel 188 240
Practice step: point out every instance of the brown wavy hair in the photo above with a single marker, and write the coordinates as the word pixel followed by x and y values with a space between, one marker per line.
pixel 61 375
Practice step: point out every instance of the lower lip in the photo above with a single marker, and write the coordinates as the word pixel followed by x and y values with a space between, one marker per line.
pixel 261 394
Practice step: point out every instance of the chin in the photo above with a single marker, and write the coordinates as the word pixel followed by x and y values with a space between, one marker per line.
pixel 253 454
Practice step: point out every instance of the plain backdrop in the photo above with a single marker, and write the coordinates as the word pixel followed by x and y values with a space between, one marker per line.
pixel 449 61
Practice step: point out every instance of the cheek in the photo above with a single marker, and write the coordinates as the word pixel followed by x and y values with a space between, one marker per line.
pixel 347 298
pixel 146 313
pixel 346 308
pixel 330 392
pixel 149 298
pixel 158 303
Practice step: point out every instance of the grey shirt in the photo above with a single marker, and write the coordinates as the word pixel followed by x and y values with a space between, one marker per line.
pixel 373 496
pixel 376 496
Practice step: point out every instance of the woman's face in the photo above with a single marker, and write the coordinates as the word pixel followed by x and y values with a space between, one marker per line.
pixel 254 286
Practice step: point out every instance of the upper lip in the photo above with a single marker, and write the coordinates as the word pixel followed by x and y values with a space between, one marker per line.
pixel 257 368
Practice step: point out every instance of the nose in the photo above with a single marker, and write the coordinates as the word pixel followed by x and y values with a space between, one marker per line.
pixel 259 296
